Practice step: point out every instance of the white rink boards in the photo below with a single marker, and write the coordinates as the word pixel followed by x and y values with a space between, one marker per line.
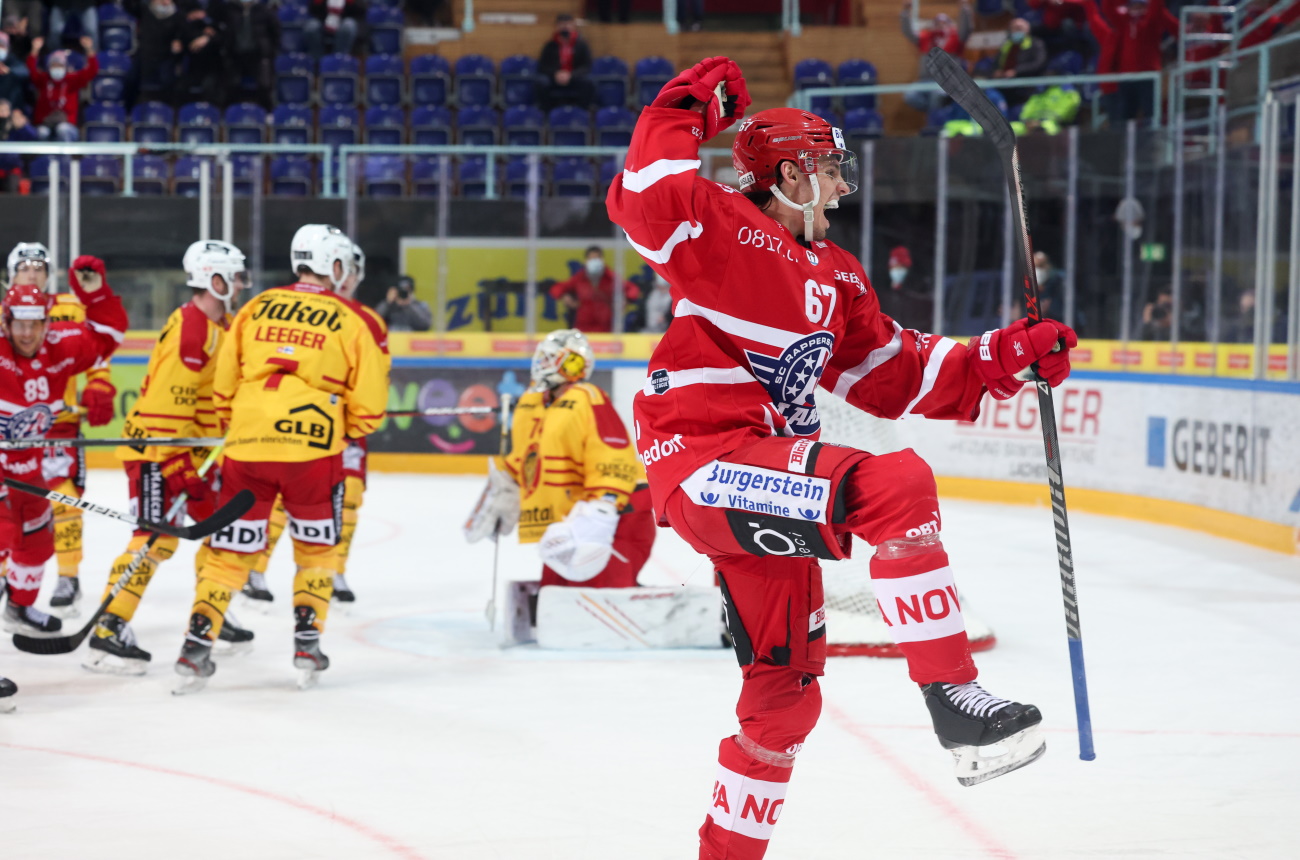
pixel 424 740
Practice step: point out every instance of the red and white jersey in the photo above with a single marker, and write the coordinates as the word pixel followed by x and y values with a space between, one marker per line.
pixel 32 389
pixel 759 320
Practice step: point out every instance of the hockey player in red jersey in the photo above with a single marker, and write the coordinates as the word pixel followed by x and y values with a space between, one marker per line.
pixel 37 358
pixel 765 311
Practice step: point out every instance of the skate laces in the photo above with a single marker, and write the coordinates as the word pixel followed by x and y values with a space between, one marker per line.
pixel 340 584
pixel 257 580
pixel 974 699
pixel 34 615
pixel 65 587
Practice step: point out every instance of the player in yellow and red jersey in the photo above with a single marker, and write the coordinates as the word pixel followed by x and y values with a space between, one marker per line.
pixel 64 469
pixel 301 371
pixel 175 400
pixel 572 480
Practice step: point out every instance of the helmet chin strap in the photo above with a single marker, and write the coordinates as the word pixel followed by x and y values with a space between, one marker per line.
pixel 806 208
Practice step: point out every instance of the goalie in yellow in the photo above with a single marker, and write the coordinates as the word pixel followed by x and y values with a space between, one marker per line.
pixel 572 481
pixel 64 469
pixel 302 371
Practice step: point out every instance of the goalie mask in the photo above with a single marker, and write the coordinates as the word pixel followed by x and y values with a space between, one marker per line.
pixel 317 247
pixel 206 258
pixel 564 356
pixel 32 254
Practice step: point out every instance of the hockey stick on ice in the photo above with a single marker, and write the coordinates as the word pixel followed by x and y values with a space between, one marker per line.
pixel 491 609
pixel 224 516
pixel 68 644
pixel 184 442
pixel 949 75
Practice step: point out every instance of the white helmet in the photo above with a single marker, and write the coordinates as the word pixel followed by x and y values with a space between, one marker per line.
pixel 358 263
pixel 31 252
pixel 317 246
pixel 563 356
pixel 208 257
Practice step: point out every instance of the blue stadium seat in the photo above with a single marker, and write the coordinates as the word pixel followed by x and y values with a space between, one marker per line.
pixel 291 176
pixel 243 167
pixel 385 80
pixel 431 126
pixel 984 67
pixel 39 171
pixel 186 176
pixel 830 116
pixel 516 181
pixel 518 80
pixel 198 123
pixel 384 175
pixel 114 72
pixel 338 125
pixel 570 126
pixel 385 24
pixel 246 123
pixel 523 126
pixel 385 126
pixel 573 177
pixel 103 123
pixel 857 73
pixel 151 122
pixel 101 174
pixel 340 77
pixel 1065 63
pixel 609 167
pixel 471 174
pixel 611 79
pixel 293 79
pixel 476 126
pixel 116 29
pixel 475 81
pixel 292 18
pixel 426 175
pixel 614 126
pixel 150 175
pixel 651 75
pixel 430 80
pixel 863 122
pixel 813 72
pixel 291 124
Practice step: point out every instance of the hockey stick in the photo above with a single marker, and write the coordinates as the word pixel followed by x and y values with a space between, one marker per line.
pixel 181 442
pixel 949 75
pixel 68 644
pixel 441 410
pixel 491 609
pixel 224 516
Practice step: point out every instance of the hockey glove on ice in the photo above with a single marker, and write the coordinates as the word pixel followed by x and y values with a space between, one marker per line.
pixel 718 84
pixel 97 399
pixel 579 547
pixel 90 283
pixel 180 475
pixel 497 511
pixel 997 356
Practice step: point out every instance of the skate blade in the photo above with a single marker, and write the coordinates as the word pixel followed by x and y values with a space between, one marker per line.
pixel 308 678
pixel 980 764
pixel 223 648
pixel 347 609
pixel 16 627
pixel 261 607
pixel 7 705
pixel 190 684
pixel 109 664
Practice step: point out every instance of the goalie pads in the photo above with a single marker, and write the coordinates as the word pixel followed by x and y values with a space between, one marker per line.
pixel 579 546
pixel 497 511
pixel 628 619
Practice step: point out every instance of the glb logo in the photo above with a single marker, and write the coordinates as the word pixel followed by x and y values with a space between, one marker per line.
pixel 301 423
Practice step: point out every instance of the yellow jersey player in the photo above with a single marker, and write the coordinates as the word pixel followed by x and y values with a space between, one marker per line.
pixel 175 400
pixel 64 469
pixel 300 372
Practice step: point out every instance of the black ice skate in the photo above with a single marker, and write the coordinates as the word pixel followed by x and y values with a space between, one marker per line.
pixel 195 664
pixel 307 656
pixel 342 591
pixel 7 690
pixel 256 595
pixel 67 592
pixel 235 638
pixel 113 650
pixel 988 736
pixel 29 621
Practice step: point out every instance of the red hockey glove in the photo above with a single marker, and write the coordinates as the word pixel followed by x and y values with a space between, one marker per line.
pixel 97 399
pixel 180 475
pixel 718 84
pixel 997 356
pixel 90 283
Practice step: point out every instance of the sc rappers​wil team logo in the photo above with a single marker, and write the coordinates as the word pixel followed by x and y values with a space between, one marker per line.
pixel 791 378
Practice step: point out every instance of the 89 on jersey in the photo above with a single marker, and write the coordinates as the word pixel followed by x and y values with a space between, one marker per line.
pixel 37 389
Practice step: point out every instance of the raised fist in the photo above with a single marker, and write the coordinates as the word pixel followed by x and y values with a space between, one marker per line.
pixel 87 273
pixel 999 357
pixel 715 87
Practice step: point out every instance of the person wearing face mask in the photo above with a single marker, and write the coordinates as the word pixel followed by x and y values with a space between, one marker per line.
pixel 589 294
pixel 13 87
pixel 1051 283
pixel 563 67
pixel 333 25
pixel 658 306
pixel 401 311
pixel 158 47
pixel 58 90
pixel 942 33
pixel 1021 56
pixel 908 297
pixel 13 127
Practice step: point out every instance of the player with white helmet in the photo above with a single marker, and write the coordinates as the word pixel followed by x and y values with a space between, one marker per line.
pixel 65 468
pixel 175 400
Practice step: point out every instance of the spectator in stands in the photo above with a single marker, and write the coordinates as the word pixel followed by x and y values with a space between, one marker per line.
pixel 690 15
pixel 909 299
pixel 13 127
pixel 564 67
pixel 158 47
pixel 427 13
pixel 250 36
pixel 29 12
pixel 589 294
pixel 1129 38
pixel 402 311
pixel 61 11
pixel 202 72
pixel 942 32
pixel 58 90
pixel 1063 26
pixel 1158 317
pixel 20 44
pixel 1051 285
pixel 605 10
pixel 333 26
pixel 1021 56
pixel 13 87
pixel 658 306
pixel 1048 111
pixel 1240 327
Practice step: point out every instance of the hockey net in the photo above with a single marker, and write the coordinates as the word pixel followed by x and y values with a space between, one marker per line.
pixel 854 625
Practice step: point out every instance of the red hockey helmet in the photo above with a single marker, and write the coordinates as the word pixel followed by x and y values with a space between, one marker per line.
pixel 772 136
pixel 27 302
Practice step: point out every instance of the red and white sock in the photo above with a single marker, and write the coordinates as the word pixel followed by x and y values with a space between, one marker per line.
pixel 748 796
pixel 24 582
pixel 918 599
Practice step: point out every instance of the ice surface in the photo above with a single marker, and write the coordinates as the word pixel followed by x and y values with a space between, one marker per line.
pixel 424 740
